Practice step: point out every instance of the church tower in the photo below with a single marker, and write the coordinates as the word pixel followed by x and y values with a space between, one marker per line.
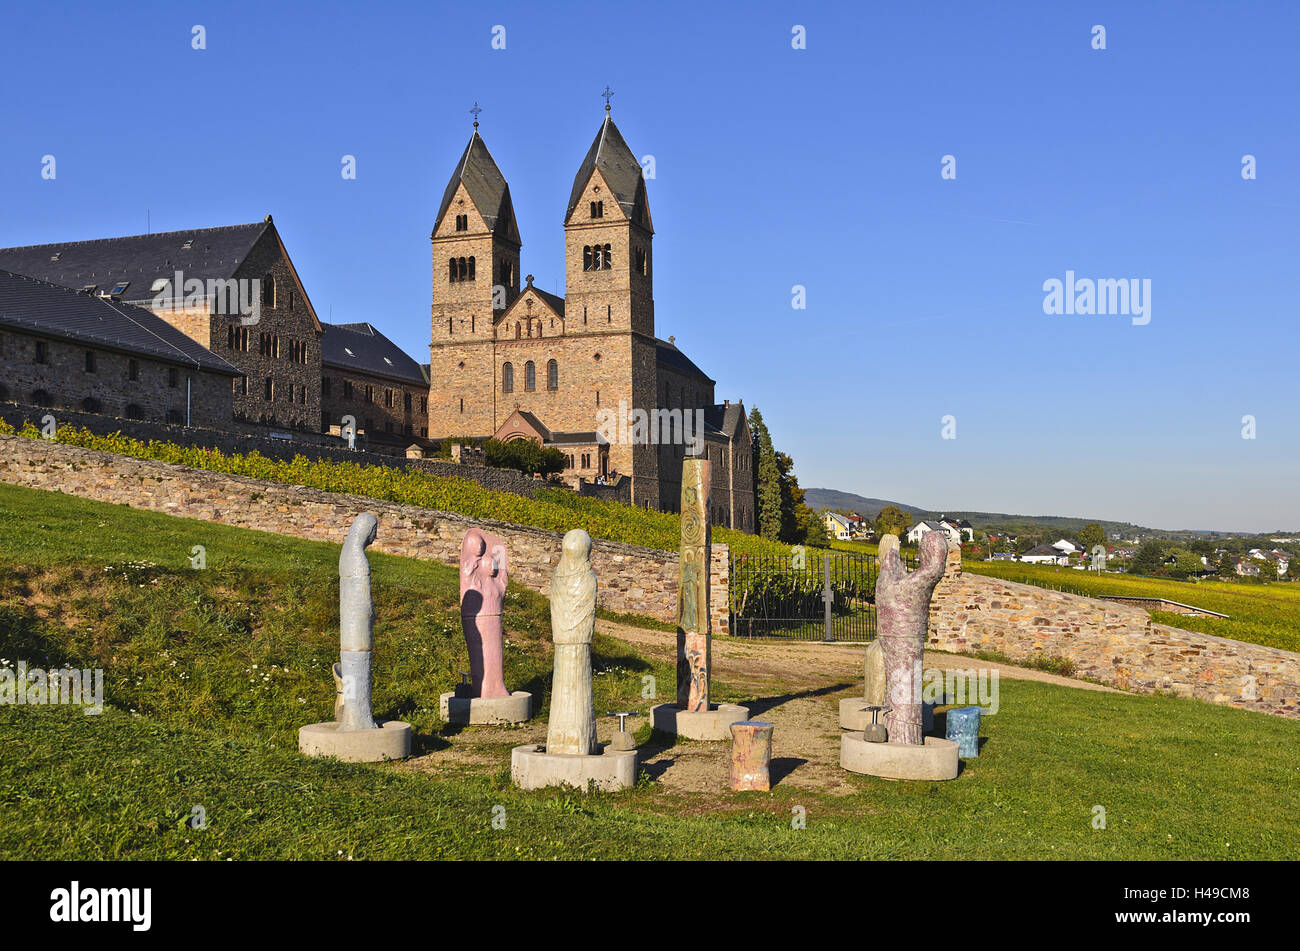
pixel 608 279
pixel 476 248
pixel 608 274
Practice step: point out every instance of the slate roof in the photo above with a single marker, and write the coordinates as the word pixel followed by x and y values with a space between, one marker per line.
pixel 554 301
pixel 667 355
pixel 140 259
pixel 620 168
pixel 724 418
pixel 371 352
pixel 46 308
pixel 487 189
pixel 1043 550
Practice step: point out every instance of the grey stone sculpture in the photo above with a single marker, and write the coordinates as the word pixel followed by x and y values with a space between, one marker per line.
pixel 356 625
pixel 572 727
pixel 902 612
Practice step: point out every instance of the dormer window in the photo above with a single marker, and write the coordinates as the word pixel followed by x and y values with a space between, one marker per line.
pixel 118 288
pixel 598 209
pixel 56 255
pixel 188 245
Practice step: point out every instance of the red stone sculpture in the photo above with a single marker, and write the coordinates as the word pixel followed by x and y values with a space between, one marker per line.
pixel 902 616
pixel 484 572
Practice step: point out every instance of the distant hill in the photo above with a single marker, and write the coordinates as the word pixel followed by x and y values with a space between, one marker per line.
pixel 999 521
pixel 835 499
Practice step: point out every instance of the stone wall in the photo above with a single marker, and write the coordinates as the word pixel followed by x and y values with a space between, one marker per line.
pixel 633 579
pixel 1114 643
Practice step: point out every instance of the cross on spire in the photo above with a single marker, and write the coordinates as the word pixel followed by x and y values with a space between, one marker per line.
pixel 607 93
pixel 475 111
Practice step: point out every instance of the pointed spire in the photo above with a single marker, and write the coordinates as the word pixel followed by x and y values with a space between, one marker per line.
pixel 618 165
pixel 487 188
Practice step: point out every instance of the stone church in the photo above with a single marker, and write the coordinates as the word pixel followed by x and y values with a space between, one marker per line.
pixel 514 361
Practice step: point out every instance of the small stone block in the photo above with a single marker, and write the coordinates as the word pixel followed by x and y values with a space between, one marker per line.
pixel 751 755
pixel 622 741
pixel 712 724
pixel 964 730
pixel 480 711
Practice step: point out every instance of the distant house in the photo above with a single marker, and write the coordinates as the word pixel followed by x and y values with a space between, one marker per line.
pixel 1066 547
pixel 1002 556
pixel 859 527
pixel 965 530
pixel 838 526
pixel 1046 555
pixel 1247 568
pixel 953 533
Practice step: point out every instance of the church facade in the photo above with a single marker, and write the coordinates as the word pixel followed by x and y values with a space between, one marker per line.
pixel 510 360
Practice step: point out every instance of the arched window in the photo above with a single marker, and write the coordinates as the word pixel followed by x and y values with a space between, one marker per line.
pixel 449 331
pixel 608 258
pixel 518 330
pixel 133 411
pixel 268 291
pixel 552 375
pixel 91 405
pixel 530 376
pixel 471 267
pixel 451 270
pixel 507 378
pixel 586 257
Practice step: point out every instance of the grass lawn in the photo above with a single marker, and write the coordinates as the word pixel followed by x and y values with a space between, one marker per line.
pixel 209 673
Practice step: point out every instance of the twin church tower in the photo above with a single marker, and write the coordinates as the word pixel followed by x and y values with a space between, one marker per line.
pixel 508 359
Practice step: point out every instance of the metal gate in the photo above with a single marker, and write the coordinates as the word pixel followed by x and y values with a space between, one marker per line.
pixel 807 595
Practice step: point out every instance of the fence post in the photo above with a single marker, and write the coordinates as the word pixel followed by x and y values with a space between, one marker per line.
pixel 827 596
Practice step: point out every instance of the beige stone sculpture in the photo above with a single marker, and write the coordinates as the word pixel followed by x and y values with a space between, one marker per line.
pixel 902 612
pixel 572 727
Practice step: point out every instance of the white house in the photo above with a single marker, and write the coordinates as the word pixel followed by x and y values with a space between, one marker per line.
pixel 1046 555
pixel 923 527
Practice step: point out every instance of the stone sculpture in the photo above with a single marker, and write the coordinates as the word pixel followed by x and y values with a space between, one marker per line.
pixel 356 624
pixel 572 728
pixel 693 660
pixel 484 576
pixel 902 616
pixel 571 756
pixel 692 715
pixel 354 735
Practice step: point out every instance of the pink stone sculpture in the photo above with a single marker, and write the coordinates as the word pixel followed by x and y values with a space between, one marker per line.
pixel 751 755
pixel 484 572
pixel 902 616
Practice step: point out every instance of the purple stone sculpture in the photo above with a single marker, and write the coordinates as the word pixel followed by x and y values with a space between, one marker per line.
pixel 484 571
pixel 902 616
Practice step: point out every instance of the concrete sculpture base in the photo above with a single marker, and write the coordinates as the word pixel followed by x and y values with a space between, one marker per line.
pixel 531 767
pixel 515 708
pixel 391 741
pixel 854 716
pixel 713 724
pixel 937 759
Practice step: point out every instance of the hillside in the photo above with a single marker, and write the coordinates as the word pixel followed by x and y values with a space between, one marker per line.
pixel 1002 521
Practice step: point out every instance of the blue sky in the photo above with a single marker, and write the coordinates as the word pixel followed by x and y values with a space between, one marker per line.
pixel 774 167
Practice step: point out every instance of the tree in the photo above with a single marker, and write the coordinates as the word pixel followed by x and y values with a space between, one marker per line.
pixel 892 521
pixel 1090 535
pixel 767 479
pixel 815 534
pixel 1148 559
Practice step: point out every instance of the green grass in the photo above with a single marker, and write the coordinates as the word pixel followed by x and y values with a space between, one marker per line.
pixel 1178 778
pixel 1267 614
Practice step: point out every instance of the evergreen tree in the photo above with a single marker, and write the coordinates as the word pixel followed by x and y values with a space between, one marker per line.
pixel 767 479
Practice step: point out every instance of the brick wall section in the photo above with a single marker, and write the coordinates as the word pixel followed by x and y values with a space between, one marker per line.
pixel 632 579
pixel 1110 642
